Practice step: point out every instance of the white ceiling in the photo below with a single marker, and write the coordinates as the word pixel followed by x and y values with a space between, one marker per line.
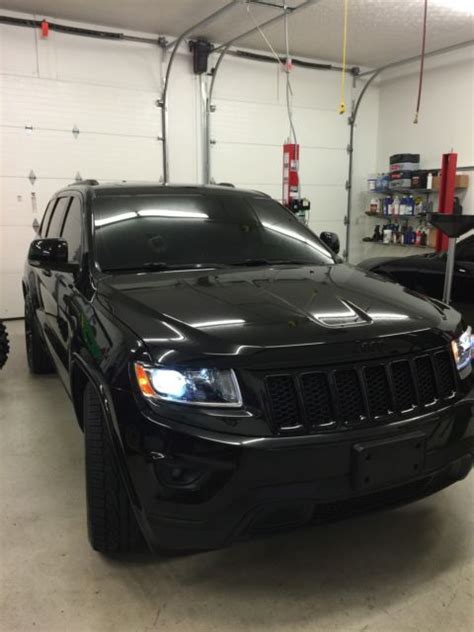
pixel 380 31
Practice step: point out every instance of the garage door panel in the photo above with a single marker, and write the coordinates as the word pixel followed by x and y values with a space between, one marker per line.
pixel 104 62
pixel 59 155
pixel 19 198
pixel 235 73
pixel 248 122
pixel 262 164
pixel 321 128
pixel 63 105
pixel 312 88
pixel 17 50
pixel 257 123
pixel 323 166
pixel 11 296
pixel 327 203
pixel 15 241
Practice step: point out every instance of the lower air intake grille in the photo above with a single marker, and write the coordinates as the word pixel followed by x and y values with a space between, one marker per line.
pixel 310 401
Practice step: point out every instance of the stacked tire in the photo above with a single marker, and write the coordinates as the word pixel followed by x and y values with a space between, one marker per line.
pixel 4 344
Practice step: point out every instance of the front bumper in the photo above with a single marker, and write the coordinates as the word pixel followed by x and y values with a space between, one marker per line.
pixel 199 490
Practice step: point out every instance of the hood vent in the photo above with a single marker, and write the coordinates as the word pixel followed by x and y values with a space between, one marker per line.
pixel 350 316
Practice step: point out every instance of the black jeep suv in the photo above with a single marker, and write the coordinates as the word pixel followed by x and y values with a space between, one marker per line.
pixel 231 374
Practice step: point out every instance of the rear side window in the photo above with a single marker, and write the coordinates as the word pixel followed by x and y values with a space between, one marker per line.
pixel 72 231
pixel 56 222
pixel 46 217
pixel 465 250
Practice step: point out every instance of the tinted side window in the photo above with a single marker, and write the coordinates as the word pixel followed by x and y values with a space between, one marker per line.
pixel 46 217
pixel 465 250
pixel 72 231
pixel 55 225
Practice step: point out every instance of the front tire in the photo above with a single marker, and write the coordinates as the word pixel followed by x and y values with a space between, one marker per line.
pixel 4 345
pixel 39 360
pixel 112 525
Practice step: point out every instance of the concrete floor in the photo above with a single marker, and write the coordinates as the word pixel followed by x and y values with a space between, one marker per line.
pixel 401 570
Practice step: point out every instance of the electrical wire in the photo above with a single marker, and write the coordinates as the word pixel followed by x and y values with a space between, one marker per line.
pixel 422 62
pixel 289 90
pixel 342 107
pixel 289 96
pixel 264 37
pixel 287 69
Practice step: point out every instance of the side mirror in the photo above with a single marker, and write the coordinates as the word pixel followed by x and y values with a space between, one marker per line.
pixel 331 240
pixel 50 254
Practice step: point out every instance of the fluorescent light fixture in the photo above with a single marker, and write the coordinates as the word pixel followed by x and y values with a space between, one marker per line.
pixel 218 323
pixel 150 212
pixel 120 217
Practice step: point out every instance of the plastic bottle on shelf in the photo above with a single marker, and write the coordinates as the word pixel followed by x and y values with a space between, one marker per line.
pixel 424 236
pixel 396 205
pixel 374 206
pixel 418 236
pixel 403 205
pixel 429 181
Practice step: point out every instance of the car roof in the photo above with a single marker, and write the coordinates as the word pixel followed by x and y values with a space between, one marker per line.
pixel 156 188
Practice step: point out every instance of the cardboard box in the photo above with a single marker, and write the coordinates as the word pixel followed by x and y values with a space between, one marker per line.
pixel 461 182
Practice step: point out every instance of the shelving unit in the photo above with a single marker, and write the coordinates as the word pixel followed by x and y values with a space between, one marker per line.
pixel 398 216
pixel 380 243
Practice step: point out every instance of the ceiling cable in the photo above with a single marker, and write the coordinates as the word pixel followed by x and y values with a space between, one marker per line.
pixel 264 37
pixel 287 66
pixel 422 62
pixel 289 90
pixel 342 107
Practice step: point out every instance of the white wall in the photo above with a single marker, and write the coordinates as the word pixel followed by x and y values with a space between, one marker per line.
pixel 108 89
pixel 446 122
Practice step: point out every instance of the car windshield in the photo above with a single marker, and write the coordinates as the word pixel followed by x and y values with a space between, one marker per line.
pixel 166 231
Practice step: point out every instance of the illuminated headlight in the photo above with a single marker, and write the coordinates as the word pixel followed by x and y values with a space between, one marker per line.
pixel 196 387
pixel 462 352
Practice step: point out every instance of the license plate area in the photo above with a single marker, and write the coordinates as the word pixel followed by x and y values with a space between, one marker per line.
pixel 381 463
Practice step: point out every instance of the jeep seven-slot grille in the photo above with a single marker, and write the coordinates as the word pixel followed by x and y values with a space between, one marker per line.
pixel 315 400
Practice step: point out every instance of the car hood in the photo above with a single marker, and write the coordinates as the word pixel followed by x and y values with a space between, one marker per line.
pixel 234 310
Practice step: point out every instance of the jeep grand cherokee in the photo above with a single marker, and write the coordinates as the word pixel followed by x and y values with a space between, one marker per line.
pixel 231 375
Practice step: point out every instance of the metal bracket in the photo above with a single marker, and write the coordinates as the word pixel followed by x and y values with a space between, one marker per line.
pixel 212 108
pixel 32 177
pixel 159 103
pixel 347 185
pixel 349 149
pixel 28 129
pixel 162 41
pixel 75 131
pixel 212 141
pixel 346 220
